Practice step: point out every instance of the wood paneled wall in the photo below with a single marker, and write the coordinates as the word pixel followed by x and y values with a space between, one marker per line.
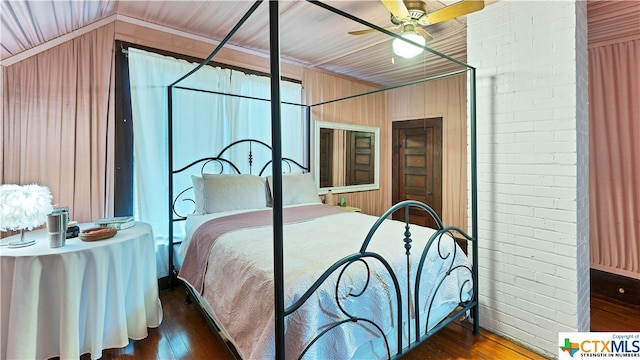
pixel 369 110
pixel 446 98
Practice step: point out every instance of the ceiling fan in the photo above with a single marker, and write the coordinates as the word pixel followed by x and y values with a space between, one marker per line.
pixel 410 16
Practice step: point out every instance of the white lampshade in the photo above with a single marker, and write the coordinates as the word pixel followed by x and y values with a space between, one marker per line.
pixel 406 50
pixel 23 207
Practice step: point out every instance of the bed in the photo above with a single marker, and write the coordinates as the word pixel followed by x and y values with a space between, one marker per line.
pixel 281 275
pixel 354 283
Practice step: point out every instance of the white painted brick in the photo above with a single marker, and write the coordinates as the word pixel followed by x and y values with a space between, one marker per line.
pixel 565 181
pixel 532 202
pixel 568 269
pixel 567 319
pixel 565 228
pixel 537 309
pixel 521 316
pixel 530 159
pixel 535 115
pixel 555 147
pixel 552 192
pixel 520 230
pixel 555 124
pixel 567 135
pixel 524 133
pixel 516 189
pixel 522 333
pixel 545 323
pixel 554 303
pixel 565 204
pixel 568 296
pixel 516 148
pixel 503 137
pixel 552 168
pixel 535 180
pixel 515 129
pixel 561 215
pixel 522 210
pixel 530 168
pixel 554 279
pixel 527 243
pixel 546 234
pixel 504 178
pixel 565 159
pixel 525 221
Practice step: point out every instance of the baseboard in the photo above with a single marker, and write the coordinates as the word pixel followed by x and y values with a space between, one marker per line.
pixel 617 287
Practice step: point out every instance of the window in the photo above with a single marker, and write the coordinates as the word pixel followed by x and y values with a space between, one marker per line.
pixel 206 117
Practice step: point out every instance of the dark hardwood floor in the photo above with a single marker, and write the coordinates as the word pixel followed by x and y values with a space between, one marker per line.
pixel 184 334
pixel 611 315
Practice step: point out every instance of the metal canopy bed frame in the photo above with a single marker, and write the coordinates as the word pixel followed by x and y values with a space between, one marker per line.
pixel 276 163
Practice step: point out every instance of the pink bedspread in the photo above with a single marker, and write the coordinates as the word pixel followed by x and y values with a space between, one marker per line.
pixel 197 255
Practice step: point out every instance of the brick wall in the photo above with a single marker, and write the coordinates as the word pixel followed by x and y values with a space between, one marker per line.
pixel 532 168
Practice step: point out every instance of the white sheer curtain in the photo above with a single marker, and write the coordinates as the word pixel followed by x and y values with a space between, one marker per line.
pixel 203 124
pixel 251 118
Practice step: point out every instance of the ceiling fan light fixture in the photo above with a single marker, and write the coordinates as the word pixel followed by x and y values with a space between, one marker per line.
pixel 406 50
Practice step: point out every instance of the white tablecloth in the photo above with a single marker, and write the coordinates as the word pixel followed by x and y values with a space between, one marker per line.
pixel 81 298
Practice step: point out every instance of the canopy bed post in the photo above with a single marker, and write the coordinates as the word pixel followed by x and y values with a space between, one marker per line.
pixel 474 195
pixel 307 114
pixel 172 271
pixel 276 144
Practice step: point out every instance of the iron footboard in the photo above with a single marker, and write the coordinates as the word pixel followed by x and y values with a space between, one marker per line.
pixel 411 327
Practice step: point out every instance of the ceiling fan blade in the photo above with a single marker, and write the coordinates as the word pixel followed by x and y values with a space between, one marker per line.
pixel 424 33
pixel 460 8
pixel 369 31
pixel 397 9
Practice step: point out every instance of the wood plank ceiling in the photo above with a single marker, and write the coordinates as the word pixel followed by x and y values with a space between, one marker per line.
pixel 310 36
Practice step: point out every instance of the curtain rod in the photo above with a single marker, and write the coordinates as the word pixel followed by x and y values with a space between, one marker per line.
pixel 195 59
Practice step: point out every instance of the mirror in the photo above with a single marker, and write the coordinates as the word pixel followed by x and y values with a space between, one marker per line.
pixel 347 157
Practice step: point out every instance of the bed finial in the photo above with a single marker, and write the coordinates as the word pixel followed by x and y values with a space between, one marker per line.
pixel 250 157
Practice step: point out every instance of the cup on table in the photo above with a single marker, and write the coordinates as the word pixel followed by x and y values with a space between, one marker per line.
pixel 57 228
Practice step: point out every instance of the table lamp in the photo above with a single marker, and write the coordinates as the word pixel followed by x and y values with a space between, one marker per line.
pixel 23 207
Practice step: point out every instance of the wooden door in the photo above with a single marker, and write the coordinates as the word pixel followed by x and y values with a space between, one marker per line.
pixel 326 157
pixel 417 166
pixel 360 157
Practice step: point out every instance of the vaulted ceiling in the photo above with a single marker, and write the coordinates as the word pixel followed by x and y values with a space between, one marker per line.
pixel 310 35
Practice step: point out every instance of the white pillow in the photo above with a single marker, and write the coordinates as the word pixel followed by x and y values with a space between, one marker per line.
pixel 229 192
pixel 198 194
pixel 297 188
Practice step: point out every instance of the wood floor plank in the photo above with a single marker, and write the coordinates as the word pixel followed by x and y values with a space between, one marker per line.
pixel 175 326
pixel 458 342
pixel 611 315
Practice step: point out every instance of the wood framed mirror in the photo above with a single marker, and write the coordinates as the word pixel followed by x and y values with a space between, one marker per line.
pixel 346 157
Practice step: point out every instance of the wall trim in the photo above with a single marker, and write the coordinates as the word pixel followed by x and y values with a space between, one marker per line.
pixel 57 41
pixel 612 270
pixel 614 41
pixel 617 287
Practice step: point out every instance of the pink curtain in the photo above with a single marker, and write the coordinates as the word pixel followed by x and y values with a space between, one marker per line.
pixel 614 164
pixel 58 123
